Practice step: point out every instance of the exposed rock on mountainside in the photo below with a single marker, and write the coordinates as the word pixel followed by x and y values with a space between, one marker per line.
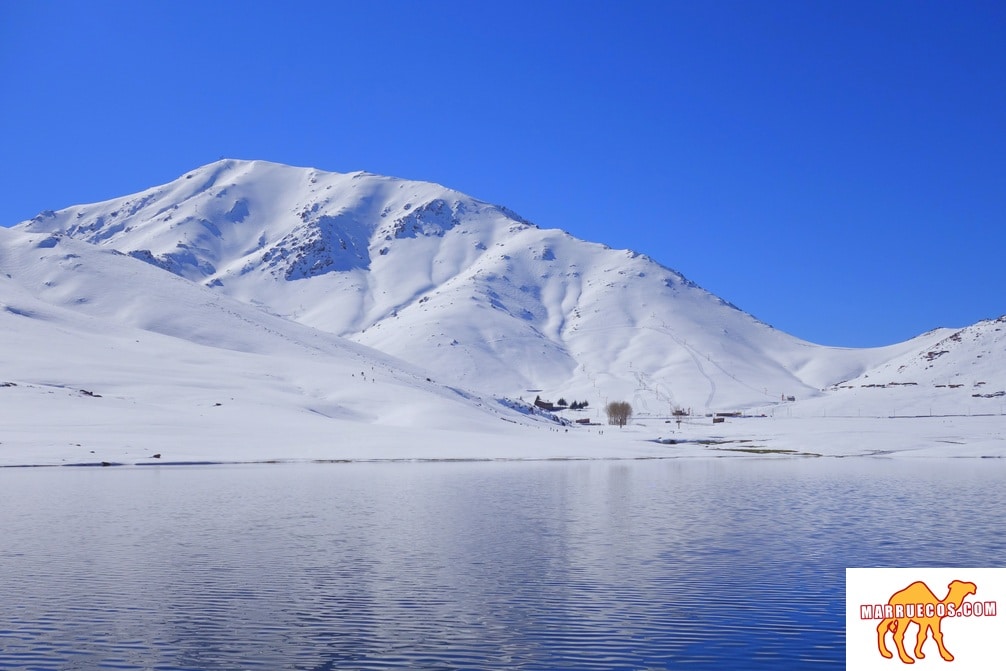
pixel 465 289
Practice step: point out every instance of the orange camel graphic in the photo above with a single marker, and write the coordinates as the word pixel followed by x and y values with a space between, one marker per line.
pixel 907 609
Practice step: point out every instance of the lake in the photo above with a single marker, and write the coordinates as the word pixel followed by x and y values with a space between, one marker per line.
pixel 655 564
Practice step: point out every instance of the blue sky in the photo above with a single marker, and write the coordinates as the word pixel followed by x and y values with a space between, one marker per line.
pixel 837 169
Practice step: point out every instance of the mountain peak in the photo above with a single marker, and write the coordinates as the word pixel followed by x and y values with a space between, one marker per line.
pixel 432 275
pixel 461 287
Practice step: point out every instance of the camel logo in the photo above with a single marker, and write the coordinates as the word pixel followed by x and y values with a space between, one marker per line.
pixel 905 622
pixel 917 604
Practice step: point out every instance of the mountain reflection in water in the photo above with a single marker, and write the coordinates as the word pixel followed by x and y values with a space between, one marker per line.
pixel 733 563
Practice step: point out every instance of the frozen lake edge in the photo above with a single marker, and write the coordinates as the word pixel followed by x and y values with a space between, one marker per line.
pixel 648 439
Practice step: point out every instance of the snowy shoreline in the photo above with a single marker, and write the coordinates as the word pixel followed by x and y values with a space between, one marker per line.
pixel 749 437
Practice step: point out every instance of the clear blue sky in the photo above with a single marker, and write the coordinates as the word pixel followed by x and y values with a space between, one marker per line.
pixel 836 168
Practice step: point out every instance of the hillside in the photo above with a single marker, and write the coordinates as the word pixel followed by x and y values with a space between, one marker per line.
pixel 250 311
pixel 99 352
pixel 962 372
pixel 466 290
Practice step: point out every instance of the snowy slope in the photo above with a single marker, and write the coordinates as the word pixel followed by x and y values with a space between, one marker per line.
pixel 962 371
pixel 253 311
pixel 98 349
pixel 462 288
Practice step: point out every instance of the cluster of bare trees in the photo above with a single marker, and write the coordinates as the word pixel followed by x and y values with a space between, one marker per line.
pixel 619 413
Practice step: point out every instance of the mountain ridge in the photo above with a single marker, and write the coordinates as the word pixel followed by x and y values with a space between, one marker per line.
pixel 79 322
pixel 463 288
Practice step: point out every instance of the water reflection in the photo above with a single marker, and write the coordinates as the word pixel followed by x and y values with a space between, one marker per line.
pixel 602 565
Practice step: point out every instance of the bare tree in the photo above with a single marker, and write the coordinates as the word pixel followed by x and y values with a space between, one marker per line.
pixel 619 413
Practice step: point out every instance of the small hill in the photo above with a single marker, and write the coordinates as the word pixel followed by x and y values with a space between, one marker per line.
pixel 953 371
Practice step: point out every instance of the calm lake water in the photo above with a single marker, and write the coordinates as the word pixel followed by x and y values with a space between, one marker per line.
pixel 733 564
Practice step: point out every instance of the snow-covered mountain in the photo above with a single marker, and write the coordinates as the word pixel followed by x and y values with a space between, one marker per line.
pixel 100 350
pixel 961 372
pixel 465 290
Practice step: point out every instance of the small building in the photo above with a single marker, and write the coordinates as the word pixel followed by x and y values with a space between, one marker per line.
pixel 544 405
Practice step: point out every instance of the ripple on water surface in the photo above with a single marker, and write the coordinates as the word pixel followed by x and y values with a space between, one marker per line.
pixel 467 566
